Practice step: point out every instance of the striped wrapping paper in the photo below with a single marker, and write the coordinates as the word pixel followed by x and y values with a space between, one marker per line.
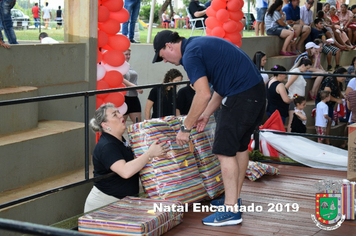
pixel 131 216
pixel 208 163
pixel 348 198
pixel 256 170
pixel 173 176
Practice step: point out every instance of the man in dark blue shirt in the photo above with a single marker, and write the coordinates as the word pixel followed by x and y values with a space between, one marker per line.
pixel 301 30
pixel 238 87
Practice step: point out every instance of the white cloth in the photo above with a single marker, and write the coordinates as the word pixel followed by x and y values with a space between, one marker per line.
pixel 303 113
pixel 298 86
pixel 352 84
pixel 321 110
pixel 308 152
pixel 46 13
pixel 97 199
pixel 264 76
pixel 48 40
pixel 164 17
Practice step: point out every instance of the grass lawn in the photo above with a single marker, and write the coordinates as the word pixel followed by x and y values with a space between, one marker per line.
pixel 32 35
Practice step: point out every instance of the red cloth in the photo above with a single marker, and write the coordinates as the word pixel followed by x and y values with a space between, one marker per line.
pixel 35 11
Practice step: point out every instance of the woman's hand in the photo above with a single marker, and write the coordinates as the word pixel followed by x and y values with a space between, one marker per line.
pixel 140 91
pixel 157 149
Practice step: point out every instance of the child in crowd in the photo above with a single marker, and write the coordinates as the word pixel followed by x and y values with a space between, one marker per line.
pixel 328 49
pixel 173 75
pixel 299 118
pixel 322 118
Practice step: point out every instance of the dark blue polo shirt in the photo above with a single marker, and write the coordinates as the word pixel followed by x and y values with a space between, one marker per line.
pixel 291 13
pixel 107 151
pixel 226 66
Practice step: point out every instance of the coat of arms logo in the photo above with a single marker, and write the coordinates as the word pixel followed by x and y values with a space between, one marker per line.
pixel 328 208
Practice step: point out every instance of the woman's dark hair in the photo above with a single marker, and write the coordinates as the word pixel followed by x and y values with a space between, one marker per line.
pixel 353 61
pixel 298 99
pixel 353 7
pixel 344 4
pixel 305 61
pixel 320 14
pixel 255 57
pixel 340 70
pixel 171 75
pixel 274 6
pixel 326 4
pixel 277 68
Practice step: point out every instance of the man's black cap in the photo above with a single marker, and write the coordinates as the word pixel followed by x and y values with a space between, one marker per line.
pixel 163 37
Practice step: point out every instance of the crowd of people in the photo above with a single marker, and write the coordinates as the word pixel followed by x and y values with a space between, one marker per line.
pixel 336 28
pixel 288 95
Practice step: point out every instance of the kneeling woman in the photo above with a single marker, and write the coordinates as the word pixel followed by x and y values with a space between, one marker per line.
pixel 112 154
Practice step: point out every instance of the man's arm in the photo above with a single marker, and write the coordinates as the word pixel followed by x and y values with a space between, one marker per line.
pixel 199 103
pixel 2 44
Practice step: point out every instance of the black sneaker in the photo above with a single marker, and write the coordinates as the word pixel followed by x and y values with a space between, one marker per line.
pixel 330 68
pixel 134 41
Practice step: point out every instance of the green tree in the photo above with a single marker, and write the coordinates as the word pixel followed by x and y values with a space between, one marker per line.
pixel 145 12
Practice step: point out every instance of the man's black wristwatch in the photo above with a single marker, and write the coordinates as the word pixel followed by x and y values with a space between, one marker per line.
pixel 185 130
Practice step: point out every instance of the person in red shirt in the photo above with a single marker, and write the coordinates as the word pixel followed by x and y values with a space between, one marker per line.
pixel 35 12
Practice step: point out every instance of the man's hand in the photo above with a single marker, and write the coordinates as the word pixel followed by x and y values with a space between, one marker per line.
pixel 4 45
pixel 182 138
pixel 201 122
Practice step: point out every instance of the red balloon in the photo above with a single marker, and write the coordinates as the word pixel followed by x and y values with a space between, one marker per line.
pixel 99 102
pixel 208 31
pixel 99 57
pixel 212 22
pixel 116 98
pixel 114 58
pixel 218 4
pixel 235 37
pixel 240 26
pixel 113 78
pixel 102 38
pixel 107 47
pixel 121 16
pixel 101 85
pixel 234 5
pixel 114 5
pixel 119 42
pixel 103 14
pixel 228 39
pixel 236 16
pixel 218 32
pixel 210 12
pixel 123 86
pixel 222 15
pixel 110 26
pixel 230 26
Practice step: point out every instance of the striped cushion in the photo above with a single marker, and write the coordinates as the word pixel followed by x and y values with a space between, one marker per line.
pixel 131 216
pixel 173 176
pixel 256 170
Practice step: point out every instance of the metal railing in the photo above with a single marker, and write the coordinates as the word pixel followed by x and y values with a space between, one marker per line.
pixel 37 229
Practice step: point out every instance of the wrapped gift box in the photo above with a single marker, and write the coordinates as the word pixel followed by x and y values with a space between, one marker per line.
pixel 173 176
pixel 132 216
pixel 348 200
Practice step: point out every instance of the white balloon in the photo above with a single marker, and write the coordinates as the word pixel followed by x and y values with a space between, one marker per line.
pixel 123 69
pixel 123 108
pixel 100 72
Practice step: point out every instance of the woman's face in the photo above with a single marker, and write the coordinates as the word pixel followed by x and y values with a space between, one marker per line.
pixel 304 68
pixel 127 54
pixel 343 8
pixel 263 61
pixel 326 8
pixel 332 11
pixel 313 50
pixel 355 63
pixel 341 79
pixel 115 121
